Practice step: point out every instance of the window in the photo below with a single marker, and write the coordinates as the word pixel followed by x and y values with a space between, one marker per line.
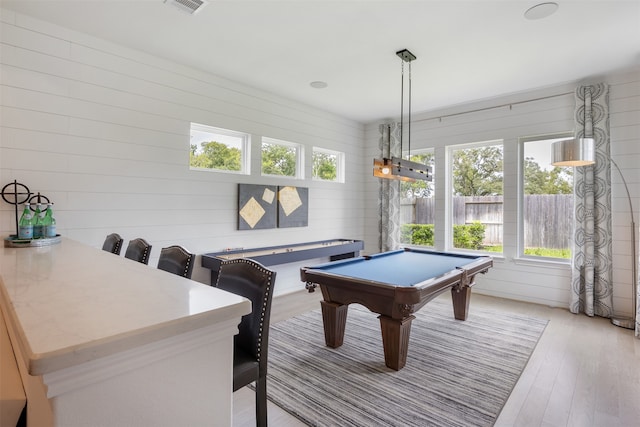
pixel 218 149
pixel 328 165
pixel 281 158
pixel 476 196
pixel 547 202
pixel 417 206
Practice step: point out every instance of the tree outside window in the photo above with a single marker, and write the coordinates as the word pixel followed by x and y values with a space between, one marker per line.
pixel 477 197
pixel 280 158
pixel 217 149
pixel 327 165
pixel 547 203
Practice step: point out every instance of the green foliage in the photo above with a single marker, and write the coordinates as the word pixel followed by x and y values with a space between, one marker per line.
pixel 417 234
pixel 543 252
pixel 215 155
pixel 478 171
pixel 547 252
pixel 539 181
pixel 419 188
pixel 468 236
pixel 278 160
pixel 325 166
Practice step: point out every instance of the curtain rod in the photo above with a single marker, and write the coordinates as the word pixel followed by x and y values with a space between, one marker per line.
pixel 510 104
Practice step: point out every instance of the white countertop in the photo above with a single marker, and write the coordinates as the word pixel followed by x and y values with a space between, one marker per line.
pixel 72 303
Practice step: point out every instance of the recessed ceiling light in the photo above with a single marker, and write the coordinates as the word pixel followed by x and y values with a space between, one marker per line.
pixel 318 85
pixel 541 10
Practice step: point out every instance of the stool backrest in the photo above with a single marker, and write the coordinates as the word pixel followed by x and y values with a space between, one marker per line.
pixel 113 243
pixel 138 250
pixel 177 260
pixel 253 281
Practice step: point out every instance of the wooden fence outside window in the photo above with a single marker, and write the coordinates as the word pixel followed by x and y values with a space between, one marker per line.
pixel 548 217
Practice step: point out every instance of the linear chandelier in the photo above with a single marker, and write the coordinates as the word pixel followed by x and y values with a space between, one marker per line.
pixel 399 168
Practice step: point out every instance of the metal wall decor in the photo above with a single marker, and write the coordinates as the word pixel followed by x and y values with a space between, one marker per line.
pixel 16 193
pixel 15 196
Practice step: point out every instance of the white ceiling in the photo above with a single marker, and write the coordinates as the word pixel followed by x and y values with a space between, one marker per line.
pixel 466 50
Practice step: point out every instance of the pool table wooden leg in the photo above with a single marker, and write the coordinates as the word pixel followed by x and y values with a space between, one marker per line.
pixel 461 298
pixel 395 340
pixel 334 318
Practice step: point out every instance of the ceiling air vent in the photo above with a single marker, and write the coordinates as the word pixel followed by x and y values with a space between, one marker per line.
pixel 190 6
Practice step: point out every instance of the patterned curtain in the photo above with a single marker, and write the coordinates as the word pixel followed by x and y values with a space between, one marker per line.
pixel 389 191
pixel 591 278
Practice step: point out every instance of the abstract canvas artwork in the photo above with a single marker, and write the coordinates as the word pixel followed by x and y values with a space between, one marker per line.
pixel 270 206
pixel 293 206
pixel 257 206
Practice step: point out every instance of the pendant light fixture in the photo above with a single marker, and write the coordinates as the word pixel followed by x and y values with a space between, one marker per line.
pixel 397 167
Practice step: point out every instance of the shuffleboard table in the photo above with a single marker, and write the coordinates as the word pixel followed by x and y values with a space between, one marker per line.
pixel 334 249
pixel 395 285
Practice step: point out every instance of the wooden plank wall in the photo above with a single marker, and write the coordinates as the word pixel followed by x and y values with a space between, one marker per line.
pixel 103 131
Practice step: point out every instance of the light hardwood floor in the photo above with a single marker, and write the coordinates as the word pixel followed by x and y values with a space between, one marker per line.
pixel 584 372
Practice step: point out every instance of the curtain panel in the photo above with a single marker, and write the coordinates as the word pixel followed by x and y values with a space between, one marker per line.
pixel 591 278
pixel 389 191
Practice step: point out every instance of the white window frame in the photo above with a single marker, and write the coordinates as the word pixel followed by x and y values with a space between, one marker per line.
pixel 449 195
pixel 299 174
pixel 228 137
pixel 520 222
pixel 340 164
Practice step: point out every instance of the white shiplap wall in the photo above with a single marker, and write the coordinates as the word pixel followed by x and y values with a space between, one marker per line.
pixel 103 131
pixel 541 112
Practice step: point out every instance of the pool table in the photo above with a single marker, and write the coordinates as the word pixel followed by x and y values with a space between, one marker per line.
pixel 395 285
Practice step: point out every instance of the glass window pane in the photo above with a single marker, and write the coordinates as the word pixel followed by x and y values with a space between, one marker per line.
pixel 217 149
pixel 547 203
pixel 327 165
pixel 417 206
pixel 279 158
pixel 477 202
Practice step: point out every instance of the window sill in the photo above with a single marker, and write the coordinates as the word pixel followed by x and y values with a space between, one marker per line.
pixel 546 262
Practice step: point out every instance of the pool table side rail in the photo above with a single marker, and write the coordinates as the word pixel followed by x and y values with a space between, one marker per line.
pixel 454 280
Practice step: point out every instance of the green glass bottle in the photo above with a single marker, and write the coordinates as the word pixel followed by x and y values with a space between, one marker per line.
pixel 49 222
pixel 25 225
pixel 38 227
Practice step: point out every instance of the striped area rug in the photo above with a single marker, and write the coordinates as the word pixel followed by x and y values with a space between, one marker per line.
pixel 457 373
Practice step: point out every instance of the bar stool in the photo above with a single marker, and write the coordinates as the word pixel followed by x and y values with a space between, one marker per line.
pixel 253 281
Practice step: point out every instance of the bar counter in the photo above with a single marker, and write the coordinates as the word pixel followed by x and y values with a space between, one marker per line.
pixel 103 340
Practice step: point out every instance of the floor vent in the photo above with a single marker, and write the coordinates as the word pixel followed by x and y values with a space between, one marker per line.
pixel 190 6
